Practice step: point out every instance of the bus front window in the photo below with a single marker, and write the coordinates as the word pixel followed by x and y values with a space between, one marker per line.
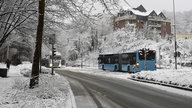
pixel 147 55
pixel 141 55
pixel 150 55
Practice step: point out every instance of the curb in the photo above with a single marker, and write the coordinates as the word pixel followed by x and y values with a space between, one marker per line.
pixel 73 102
pixel 163 84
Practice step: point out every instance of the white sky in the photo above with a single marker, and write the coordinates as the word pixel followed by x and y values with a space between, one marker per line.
pixel 160 5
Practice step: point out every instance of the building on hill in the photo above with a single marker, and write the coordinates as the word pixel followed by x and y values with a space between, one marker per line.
pixel 186 36
pixel 139 17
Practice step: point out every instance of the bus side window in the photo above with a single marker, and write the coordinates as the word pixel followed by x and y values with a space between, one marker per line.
pixel 125 58
pixel 116 60
pixel 105 60
pixel 132 60
pixel 109 60
pixel 99 60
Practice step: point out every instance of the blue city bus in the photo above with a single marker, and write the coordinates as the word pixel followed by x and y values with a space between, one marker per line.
pixel 143 59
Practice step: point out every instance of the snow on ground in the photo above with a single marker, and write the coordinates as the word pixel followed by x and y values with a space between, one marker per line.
pixel 52 92
pixel 181 76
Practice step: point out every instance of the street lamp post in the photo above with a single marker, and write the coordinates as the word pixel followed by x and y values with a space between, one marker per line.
pixel 175 54
pixel 80 52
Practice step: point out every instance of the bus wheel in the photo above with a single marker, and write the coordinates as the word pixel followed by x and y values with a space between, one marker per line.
pixel 103 67
pixel 128 69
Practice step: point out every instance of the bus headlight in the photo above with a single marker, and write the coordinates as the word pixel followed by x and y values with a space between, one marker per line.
pixel 137 65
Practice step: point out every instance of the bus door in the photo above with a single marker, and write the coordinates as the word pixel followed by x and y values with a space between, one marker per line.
pixel 120 62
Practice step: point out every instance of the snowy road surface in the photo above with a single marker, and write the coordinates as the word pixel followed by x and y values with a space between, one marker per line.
pixel 125 93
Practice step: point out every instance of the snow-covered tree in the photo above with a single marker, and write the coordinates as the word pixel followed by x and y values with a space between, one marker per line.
pixel 13 14
pixel 183 21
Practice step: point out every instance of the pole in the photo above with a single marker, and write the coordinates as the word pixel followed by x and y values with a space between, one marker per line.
pixel 159 57
pixel 80 52
pixel 52 69
pixel 8 50
pixel 175 35
pixel 145 60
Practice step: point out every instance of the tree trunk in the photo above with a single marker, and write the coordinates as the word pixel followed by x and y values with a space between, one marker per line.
pixel 37 54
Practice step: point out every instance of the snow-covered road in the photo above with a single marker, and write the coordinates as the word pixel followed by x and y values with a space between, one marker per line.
pixel 125 93
pixel 180 76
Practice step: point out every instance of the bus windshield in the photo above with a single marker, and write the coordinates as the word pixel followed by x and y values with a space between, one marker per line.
pixel 148 55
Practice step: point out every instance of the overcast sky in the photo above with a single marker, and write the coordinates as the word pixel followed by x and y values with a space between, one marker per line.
pixel 160 5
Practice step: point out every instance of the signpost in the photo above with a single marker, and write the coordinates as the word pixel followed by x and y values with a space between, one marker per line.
pixel 52 39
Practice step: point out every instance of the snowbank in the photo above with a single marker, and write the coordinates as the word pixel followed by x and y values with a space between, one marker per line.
pixel 52 92
pixel 182 77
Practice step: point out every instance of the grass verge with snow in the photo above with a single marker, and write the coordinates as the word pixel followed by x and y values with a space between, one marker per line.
pixel 53 91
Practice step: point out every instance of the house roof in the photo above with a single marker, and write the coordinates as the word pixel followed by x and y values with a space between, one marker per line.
pixel 153 13
pixel 141 11
pixel 140 8
pixel 137 12
pixel 162 15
